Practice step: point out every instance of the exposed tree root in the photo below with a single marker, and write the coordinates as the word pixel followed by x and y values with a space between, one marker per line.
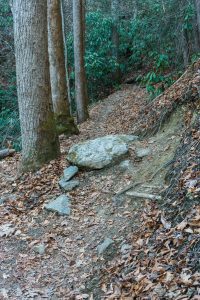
pixel 144 195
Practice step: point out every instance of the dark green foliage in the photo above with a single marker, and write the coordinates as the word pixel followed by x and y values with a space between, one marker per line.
pixel 6 35
pixel 156 80
pixel 9 119
pixel 154 41
pixel 151 39
pixel 99 62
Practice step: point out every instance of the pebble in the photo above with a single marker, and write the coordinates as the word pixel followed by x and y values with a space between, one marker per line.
pixel 102 247
pixel 40 249
pixel 125 248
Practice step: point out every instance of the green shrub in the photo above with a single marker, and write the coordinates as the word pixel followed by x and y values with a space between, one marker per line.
pixel 9 118
pixel 99 62
pixel 156 81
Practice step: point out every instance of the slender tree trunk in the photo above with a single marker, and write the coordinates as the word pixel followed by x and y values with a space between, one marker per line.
pixel 186 48
pixel 115 7
pixel 197 6
pixel 135 8
pixel 64 122
pixel 68 15
pixel 65 31
pixel 39 139
pixel 196 37
pixel 81 95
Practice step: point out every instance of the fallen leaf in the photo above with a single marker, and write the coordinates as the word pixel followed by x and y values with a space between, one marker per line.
pixel 167 225
pixel 182 225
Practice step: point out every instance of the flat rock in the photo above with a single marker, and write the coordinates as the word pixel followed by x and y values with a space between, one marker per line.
pixel 61 205
pixel 68 185
pixel 142 152
pixel 70 172
pixel 100 152
pixel 102 247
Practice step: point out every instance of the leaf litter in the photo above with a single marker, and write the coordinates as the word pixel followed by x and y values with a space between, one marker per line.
pixel 162 260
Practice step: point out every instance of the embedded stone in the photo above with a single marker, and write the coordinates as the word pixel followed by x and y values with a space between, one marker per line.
pixel 60 205
pixel 100 152
pixel 70 172
pixel 40 249
pixel 103 247
pixel 142 152
pixel 68 185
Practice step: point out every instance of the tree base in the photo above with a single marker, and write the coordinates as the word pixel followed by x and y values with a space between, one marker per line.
pixel 65 125
pixel 43 155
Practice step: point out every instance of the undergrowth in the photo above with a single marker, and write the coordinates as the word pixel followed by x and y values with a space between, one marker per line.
pixel 9 117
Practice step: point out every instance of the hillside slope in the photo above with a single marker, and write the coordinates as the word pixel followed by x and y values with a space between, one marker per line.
pixel 147 241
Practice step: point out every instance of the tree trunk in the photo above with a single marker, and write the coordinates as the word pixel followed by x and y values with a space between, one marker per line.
pixel 185 48
pixel 115 7
pixel 135 9
pixel 197 6
pixel 64 122
pixel 65 31
pixel 68 15
pixel 39 139
pixel 196 37
pixel 81 95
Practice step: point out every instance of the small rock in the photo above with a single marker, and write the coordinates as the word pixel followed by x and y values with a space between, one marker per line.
pixel 125 248
pixel 2 200
pixel 79 263
pixel 102 247
pixel 6 230
pixel 61 205
pixel 68 185
pixel 40 249
pixel 126 165
pixel 140 152
pixel 70 172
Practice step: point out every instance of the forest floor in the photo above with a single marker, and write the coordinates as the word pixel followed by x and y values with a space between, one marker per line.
pixel 70 267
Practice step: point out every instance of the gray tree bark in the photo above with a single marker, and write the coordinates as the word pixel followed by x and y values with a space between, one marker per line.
pixel 39 139
pixel 65 32
pixel 64 122
pixel 185 48
pixel 68 15
pixel 115 8
pixel 81 95
pixel 197 6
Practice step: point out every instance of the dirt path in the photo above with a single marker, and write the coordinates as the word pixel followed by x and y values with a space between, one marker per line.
pixel 70 268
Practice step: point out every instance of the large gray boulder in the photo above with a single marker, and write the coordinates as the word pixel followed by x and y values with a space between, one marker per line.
pixel 100 152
